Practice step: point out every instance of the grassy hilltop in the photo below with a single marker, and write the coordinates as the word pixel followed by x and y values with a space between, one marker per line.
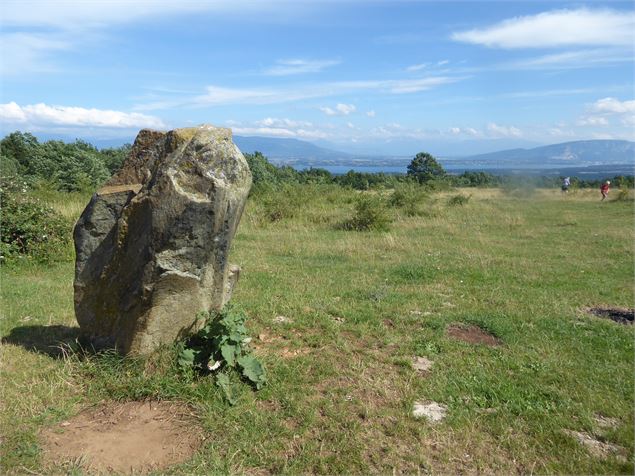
pixel 522 267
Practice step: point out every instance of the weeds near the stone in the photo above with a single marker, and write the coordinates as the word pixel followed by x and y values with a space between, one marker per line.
pixel 223 345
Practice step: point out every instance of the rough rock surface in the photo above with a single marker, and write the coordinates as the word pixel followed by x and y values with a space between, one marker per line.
pixel 152 244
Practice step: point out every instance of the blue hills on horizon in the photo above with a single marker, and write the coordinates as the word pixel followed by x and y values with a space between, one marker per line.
pixel 567 154
pixel 302 154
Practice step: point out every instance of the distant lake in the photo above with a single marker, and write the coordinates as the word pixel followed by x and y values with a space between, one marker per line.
pixel 588 172
pixel 342 169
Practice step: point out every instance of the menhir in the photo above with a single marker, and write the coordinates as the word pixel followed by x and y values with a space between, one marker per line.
pixel 152 244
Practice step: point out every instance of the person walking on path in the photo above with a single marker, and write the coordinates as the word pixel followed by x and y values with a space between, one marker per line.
pixel 604 189
pixel 566 183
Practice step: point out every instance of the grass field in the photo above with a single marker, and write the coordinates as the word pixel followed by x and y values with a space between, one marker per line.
pixel 523 267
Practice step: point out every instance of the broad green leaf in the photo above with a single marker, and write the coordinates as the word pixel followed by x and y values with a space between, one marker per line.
pixel 253 370
pixel 222 380
pixel 228 352
pixel 187 357
pixel 236 337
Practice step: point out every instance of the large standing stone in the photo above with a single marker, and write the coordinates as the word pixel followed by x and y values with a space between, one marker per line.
pixel 152 244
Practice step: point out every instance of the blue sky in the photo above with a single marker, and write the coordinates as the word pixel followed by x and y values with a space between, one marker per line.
pixel 367 75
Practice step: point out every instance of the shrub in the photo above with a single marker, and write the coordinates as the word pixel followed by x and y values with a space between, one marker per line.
pixel 279 204
pixel 409 197
pixel 459 200
pixel 622 195
pixel 370 214
pixel 29 228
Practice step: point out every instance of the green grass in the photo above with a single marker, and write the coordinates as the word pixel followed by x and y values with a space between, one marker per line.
pixel 362 304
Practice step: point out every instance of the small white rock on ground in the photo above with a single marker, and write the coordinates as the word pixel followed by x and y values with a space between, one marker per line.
pixel 421 364
pixel 282 320
pixel 432 411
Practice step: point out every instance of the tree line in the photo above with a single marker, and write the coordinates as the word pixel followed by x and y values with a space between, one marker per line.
pixel 69 167
pixel 80 166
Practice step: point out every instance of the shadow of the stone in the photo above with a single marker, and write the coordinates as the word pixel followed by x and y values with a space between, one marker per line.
pixel 53 341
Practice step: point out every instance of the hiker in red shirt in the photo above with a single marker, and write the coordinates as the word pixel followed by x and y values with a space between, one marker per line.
pixel 604 189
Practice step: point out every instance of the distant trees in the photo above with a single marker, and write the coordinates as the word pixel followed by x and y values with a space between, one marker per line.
pixel 424 168
pixel 66 166
pixel 79 166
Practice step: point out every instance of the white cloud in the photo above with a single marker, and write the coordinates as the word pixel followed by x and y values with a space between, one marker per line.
pixel 272 121
pixel 503 131
pixel 545 93
pixel 280 132
pixel 45 115
pixel 557 28
pixel 370 113
pixel 216 95
pixel 602 110
pixel 417 67
pixel 299 66
pixel 464 131
pixel 339 110
pixel 559 132
pixel 613 106
pixel 629 121
pixel 35 29
pixel 416 85
pixel 345 109
pixel 593 121
pixel 68 14
pixel 27 52
pixel 572 60
pixel 442 62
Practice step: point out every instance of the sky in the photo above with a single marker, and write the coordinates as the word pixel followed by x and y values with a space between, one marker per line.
pixel 354 75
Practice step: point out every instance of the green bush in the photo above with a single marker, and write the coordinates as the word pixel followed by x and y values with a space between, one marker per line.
pixel 279 204
pixel 409 197
pixel 370 214
pixel 459 200
pixel 30 229
pixel 622 195
pixel 72 167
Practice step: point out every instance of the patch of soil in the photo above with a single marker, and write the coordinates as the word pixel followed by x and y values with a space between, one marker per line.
pixel 605 422
pixel 598 448
pixel 130 437
pixel 621 315
pixel 273 344
pixel 472 335
pixel 422 365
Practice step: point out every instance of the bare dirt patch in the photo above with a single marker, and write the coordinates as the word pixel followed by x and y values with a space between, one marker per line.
pixel 597 448
pixel 472 335
pixel 130 437
pixel 621 315
pixel 605 422
pixel 422 365
pixel 279 345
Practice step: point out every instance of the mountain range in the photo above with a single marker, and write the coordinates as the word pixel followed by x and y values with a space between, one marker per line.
pixel 568 154
pixel 302 154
